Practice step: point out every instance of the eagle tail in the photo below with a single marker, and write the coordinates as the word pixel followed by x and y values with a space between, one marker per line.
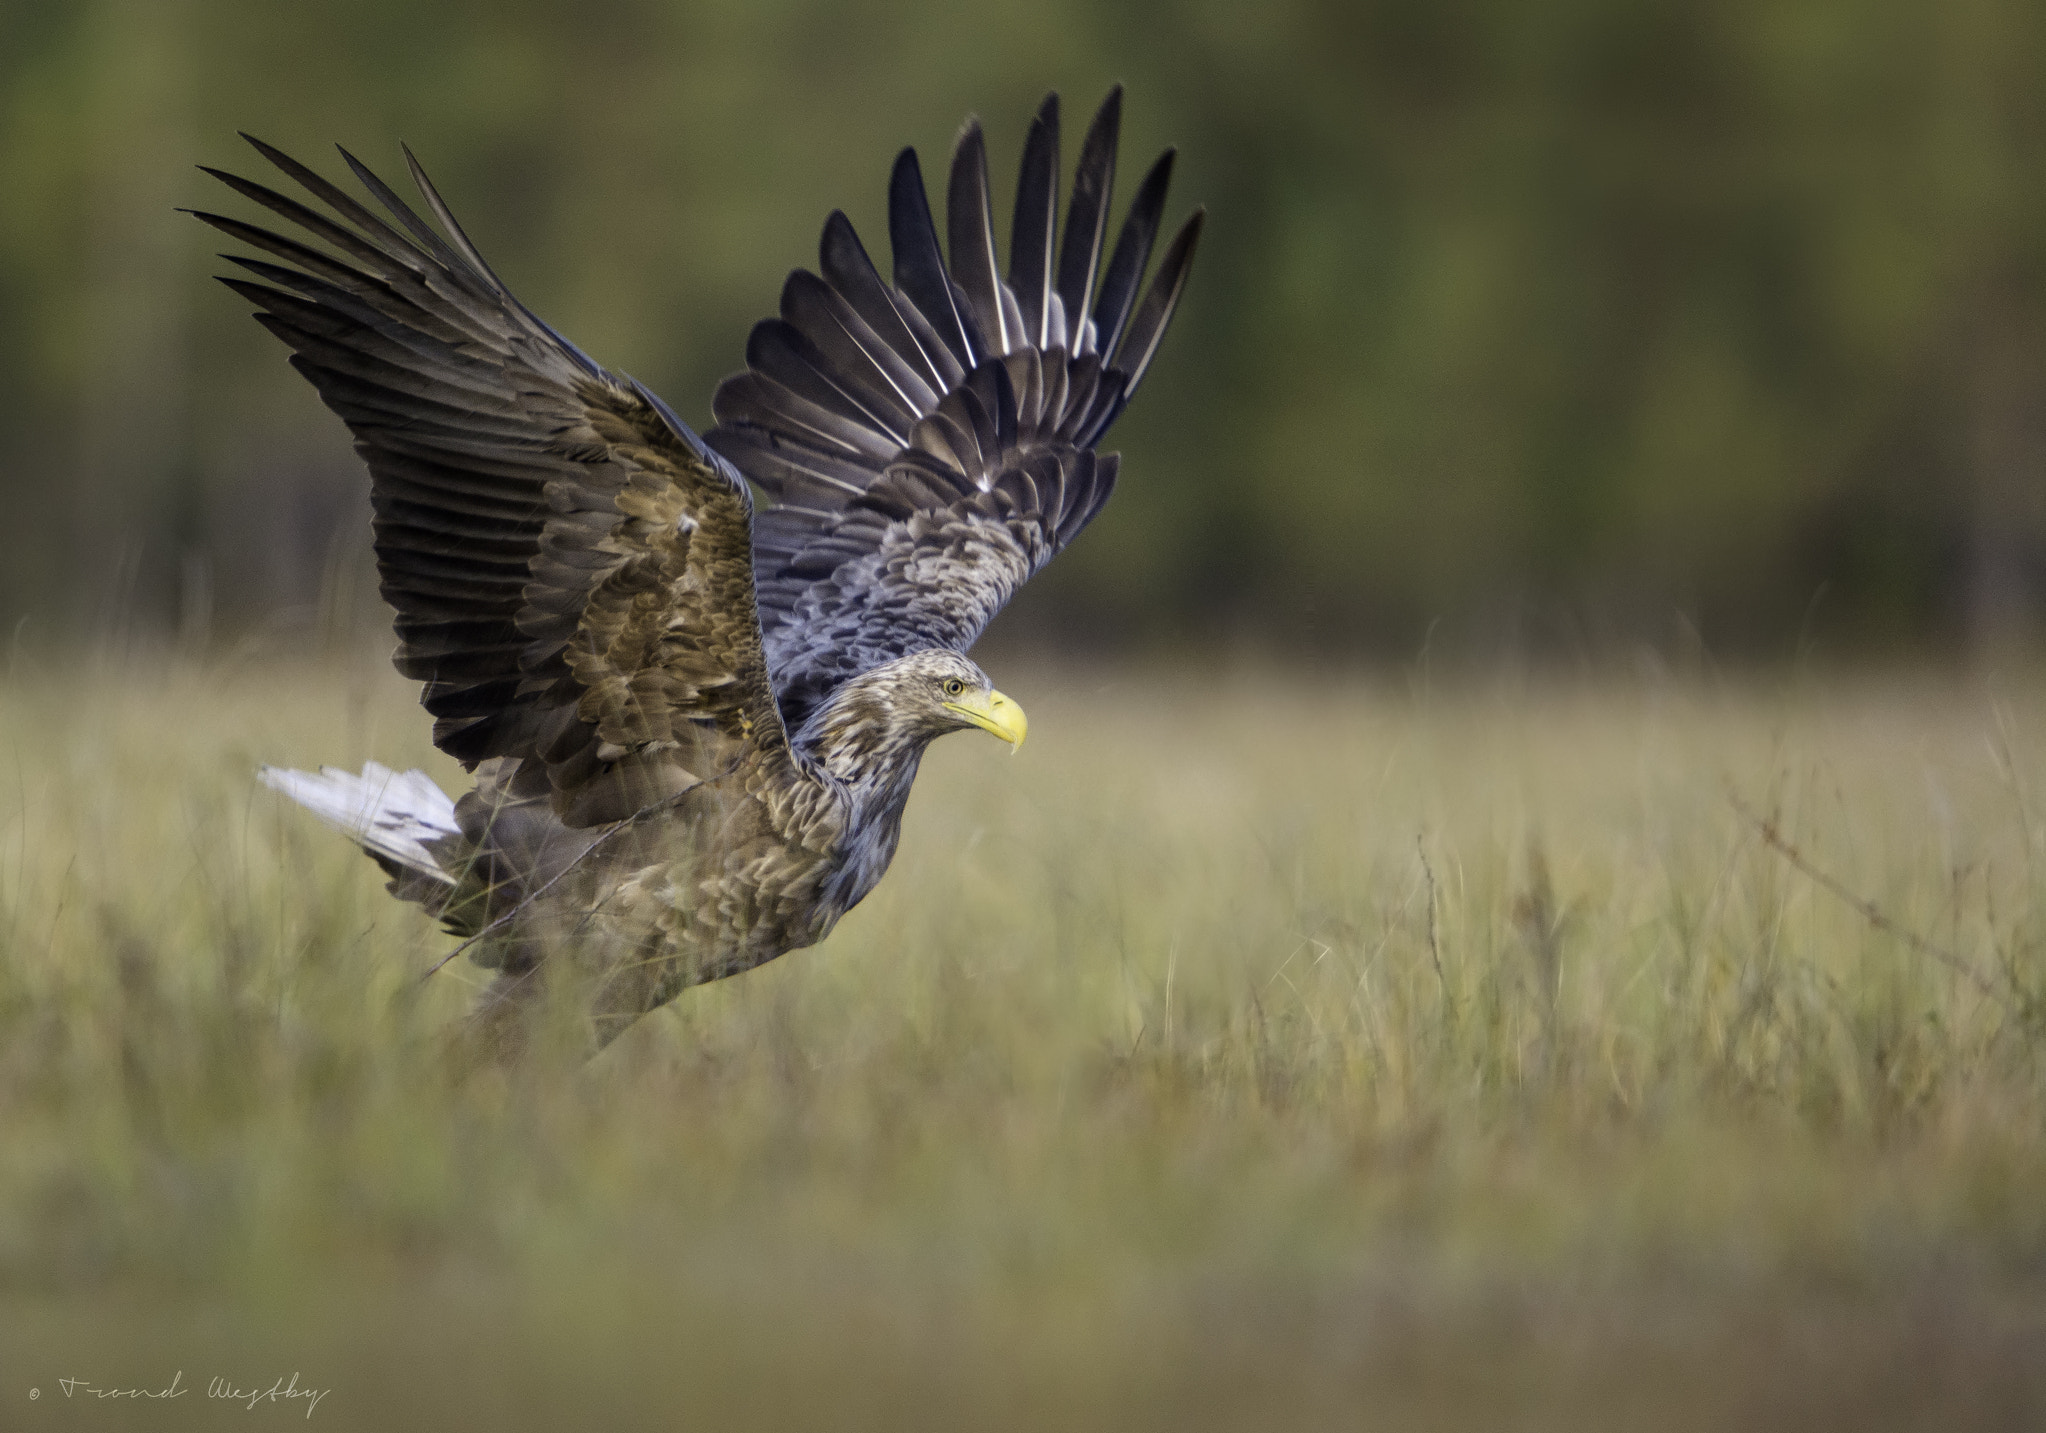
pixel 398 818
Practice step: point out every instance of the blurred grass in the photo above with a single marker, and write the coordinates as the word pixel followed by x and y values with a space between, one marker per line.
pixel 1258 1050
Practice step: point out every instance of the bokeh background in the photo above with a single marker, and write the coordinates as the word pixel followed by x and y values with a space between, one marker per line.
pixel 1643 1026
pixel 1585 328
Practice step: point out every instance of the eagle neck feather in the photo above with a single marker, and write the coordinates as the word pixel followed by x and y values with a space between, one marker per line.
pixel 869 745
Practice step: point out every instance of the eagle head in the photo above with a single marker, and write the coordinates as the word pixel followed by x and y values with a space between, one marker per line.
pixel 890 713
pixel 926 694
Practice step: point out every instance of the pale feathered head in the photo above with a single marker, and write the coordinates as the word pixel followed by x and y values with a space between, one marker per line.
pixel 892 712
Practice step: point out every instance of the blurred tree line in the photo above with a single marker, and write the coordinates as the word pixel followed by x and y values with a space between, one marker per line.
pixel 1587 322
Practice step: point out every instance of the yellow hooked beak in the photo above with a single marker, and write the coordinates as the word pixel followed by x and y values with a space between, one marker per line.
pixel 991 711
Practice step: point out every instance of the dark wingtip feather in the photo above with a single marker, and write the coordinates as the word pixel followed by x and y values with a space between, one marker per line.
pixel 969 222
pixel 843 261
pixel 1147 330
pixel 919 267
pixel 1132 252
pixel 469 259
pixel 447 218
pixel 370 227
pixel 241 287
pixel 1087 217
pixel 420 230
pixel 839 238
pixel 271 152
pixel 1033 236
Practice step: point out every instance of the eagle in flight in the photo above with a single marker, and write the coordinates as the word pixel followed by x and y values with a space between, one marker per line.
pixel 693 724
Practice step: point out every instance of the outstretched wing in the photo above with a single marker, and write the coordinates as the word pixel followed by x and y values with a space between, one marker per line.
pixel 929 444
pixel 570 565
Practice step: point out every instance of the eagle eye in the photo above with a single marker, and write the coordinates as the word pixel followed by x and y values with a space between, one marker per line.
pixel 954 687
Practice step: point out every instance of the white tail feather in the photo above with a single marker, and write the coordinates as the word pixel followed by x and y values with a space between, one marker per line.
pixel 391 814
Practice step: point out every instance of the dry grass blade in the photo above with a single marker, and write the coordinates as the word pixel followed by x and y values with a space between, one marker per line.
pixel 1772 837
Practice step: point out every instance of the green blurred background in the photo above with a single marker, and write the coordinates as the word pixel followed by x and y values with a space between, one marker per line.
pixel 1586 327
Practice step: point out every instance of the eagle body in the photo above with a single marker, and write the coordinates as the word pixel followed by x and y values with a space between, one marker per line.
pixel 731 872
pixel 694 723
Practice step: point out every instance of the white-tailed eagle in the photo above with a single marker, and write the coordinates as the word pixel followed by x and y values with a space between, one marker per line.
pixel 694 725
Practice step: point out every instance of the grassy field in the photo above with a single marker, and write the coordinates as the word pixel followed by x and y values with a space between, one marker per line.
pixel 1251 1051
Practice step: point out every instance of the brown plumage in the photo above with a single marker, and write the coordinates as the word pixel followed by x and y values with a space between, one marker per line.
pixel 693 730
